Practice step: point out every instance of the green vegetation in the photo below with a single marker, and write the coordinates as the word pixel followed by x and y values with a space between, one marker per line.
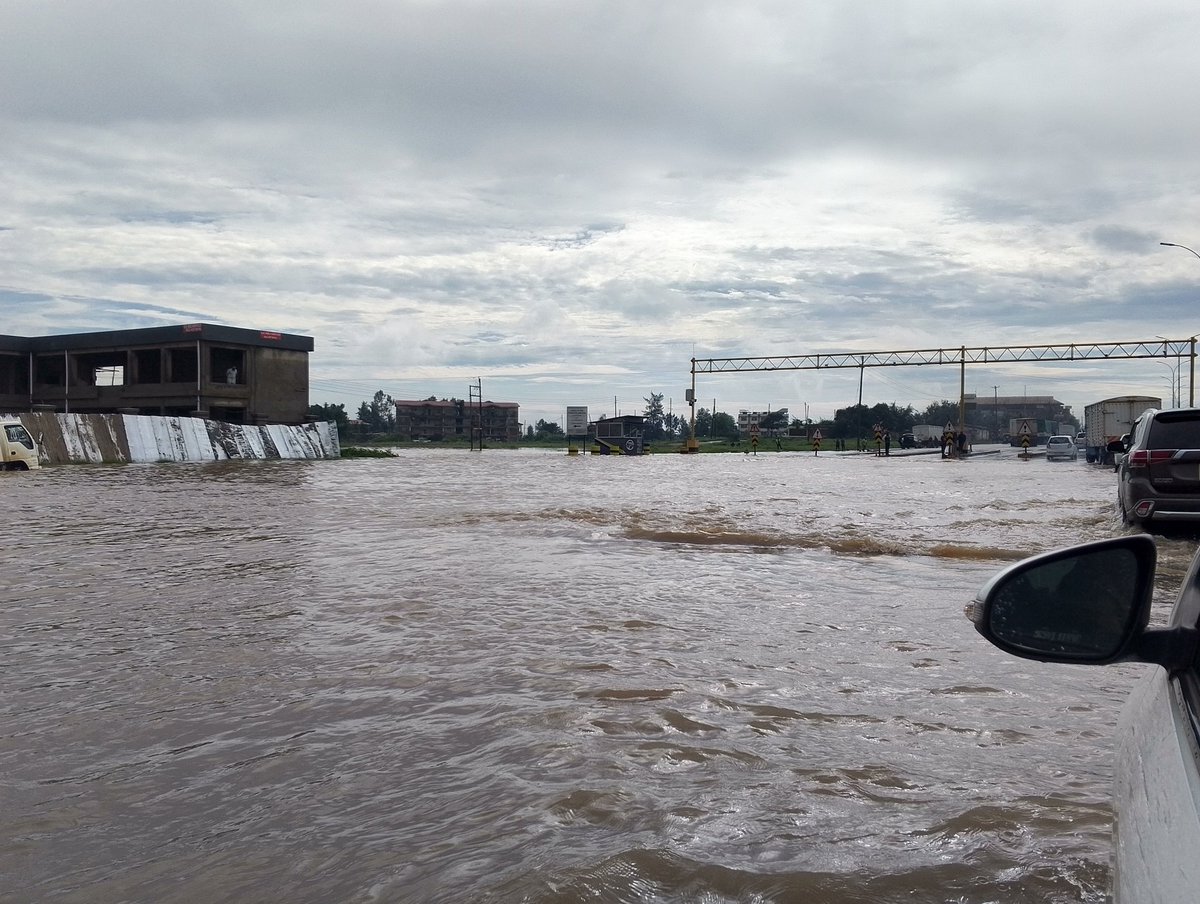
pixel 364 452
pixel 335 413
pixel 545 431
pixel 766 446
pixel 711 426
pixel 664 431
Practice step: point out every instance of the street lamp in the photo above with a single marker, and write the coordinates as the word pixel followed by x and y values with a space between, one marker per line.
pixel 1176 375
pixel 1176 245
pixel 1192 383
pixel 1173 381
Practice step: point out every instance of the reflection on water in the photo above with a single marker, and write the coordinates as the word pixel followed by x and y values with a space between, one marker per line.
pixel 518 676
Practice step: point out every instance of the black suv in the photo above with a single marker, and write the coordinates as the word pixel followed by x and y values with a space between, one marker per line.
pixel 1159 477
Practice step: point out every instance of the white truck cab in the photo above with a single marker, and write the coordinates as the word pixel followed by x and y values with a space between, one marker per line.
pixel 18 451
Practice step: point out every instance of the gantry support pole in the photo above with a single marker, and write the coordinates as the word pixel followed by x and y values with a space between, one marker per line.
pixel 693 444
pixel 1191 376
pixel 962 391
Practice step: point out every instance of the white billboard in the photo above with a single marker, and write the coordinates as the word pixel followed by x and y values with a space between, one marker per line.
pixel 577 420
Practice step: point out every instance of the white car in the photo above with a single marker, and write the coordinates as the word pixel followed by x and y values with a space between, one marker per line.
pixel 1061 447
pixel 1090 605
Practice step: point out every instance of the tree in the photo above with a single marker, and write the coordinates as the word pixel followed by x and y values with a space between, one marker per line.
pixel 775 420
pixel 724 425
pixel 676 426
pixel 378 415
pixel 335 413
pixel 366 418
pixel 851 422
pixel 384 407
pixel 710 425
pixel 860 421
pixel 941 413
pixel 545 429
pixel 654 425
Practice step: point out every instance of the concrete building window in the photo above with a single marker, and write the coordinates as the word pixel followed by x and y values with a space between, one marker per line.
pixel 183 365
pixel 148 366
pixel 100 369
pixel 50 370
pixel 227 365
pixel 109 376
pixel 14 374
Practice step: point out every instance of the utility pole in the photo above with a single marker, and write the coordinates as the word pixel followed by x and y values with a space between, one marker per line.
pixel 475 393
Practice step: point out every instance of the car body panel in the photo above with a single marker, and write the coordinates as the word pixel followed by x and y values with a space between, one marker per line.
pixel 1156 784
pixel 1156 798
pixel 1178 474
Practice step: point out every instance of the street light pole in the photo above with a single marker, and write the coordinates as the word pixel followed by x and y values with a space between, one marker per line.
pixel 1173 381
pixel 1192 356
pixel 1177 245
pixel 1176 392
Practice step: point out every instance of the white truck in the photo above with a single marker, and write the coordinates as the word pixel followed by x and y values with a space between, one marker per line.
pixel 1111 419
pixel 18 451
pixel 928 435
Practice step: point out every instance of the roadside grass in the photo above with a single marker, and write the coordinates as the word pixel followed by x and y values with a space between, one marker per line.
pixel 383 446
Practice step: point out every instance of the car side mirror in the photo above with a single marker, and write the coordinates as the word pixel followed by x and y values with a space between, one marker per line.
pixel 1085 604
pixel 1116 446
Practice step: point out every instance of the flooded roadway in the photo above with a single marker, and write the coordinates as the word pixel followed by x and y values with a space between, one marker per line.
pixel 521 677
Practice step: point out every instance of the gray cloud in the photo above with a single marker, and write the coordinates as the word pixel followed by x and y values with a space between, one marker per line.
pixel 576 198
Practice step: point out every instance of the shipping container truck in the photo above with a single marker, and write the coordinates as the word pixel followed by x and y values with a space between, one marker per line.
pixel 1109 420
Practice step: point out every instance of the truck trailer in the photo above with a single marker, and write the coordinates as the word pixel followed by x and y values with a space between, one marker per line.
pixel 1109 420
pixel 927 435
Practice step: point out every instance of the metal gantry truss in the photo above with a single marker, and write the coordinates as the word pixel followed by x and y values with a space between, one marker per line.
pixel 1075 351
pixel 963 355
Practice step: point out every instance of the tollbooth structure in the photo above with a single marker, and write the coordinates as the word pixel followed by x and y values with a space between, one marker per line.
pixel 204 370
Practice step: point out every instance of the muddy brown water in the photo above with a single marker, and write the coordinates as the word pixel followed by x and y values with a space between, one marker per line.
pixel 522 676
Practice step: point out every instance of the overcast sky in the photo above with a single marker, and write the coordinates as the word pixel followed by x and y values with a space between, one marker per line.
pixel 570 200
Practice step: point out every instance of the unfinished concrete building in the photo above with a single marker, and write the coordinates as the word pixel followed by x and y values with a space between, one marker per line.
pixel 198 369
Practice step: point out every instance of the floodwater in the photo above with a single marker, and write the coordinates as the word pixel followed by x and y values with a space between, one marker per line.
pixel 519 676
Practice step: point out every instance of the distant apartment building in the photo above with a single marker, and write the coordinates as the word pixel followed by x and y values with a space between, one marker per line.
pixel 748 419
pixel 441 419
pixel 999 410
pixel 198 369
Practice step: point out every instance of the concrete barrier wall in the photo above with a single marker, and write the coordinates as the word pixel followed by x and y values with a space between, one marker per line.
pixel 118 438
